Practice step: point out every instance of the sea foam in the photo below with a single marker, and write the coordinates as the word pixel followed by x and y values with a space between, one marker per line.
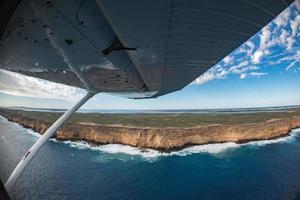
pixel 35 134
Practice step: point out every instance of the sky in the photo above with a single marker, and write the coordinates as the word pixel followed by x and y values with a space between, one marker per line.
pixel 262 72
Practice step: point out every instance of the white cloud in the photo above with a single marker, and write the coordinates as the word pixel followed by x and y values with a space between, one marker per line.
pixel 283 18
pixel 247 48
pixel 240 65
pixel 258 74
pixel 250 44
pixel 290 65
pixel 251 47
pixel 216 72
pixel 283 35
pixel 277 33
pixel 227 59
pixel 257 56
pixel 20 85
pixel 242 76
pixel 266 42
pixel 206 77
pixel 245 69
pixel 293 57
pixel 297 4
pixel 290 42
pixel 288 38
pixel 265 37
pixel 294 25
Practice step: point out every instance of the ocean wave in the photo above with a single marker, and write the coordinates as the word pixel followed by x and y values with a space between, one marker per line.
pixel 35 134
pixel 20 127
pixel 113 148
pixel 17 126
pixel 3 119
pixel 150 153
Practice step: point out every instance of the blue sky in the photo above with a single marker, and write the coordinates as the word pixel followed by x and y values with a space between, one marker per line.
pixel 264 71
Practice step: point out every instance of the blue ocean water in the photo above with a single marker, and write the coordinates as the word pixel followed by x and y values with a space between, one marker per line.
pixel 68 170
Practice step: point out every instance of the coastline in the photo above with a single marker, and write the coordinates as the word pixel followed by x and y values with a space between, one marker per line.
pixel 162 139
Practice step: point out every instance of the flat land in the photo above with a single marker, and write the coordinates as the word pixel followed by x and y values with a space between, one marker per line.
pixel 165 119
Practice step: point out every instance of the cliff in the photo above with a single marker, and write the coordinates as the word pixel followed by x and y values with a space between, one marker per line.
pixel 164 139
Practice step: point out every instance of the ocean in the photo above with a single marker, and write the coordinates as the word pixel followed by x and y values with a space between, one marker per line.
pixel 75 170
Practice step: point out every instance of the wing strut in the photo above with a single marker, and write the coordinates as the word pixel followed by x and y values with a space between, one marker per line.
pixel 42 140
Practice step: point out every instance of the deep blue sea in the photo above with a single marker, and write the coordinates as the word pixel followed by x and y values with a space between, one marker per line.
pixel 73 170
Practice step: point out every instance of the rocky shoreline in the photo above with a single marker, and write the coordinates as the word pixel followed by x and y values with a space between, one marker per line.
pixel 163 139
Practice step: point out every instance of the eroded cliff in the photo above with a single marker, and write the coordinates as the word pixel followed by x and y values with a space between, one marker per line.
pixel 165 139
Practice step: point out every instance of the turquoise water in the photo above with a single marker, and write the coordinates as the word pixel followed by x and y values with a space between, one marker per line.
pixel 68 170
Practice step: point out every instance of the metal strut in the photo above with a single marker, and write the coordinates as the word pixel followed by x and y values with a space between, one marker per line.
pixel 42 140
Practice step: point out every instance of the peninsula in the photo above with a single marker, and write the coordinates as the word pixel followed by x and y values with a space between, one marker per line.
pixel 163 131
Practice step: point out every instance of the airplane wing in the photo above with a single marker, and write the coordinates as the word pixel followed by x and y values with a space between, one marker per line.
pixel 134 48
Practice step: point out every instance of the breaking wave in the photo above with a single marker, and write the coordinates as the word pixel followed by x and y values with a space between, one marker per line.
pixel 35 134
pixel 18 126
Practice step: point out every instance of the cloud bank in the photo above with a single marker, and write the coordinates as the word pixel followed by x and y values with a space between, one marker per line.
pixel 21 85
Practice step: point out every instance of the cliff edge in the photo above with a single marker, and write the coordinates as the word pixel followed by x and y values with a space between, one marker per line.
pixel 164 139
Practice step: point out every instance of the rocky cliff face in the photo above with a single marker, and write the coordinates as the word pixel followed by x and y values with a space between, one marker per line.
pixel 165 139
